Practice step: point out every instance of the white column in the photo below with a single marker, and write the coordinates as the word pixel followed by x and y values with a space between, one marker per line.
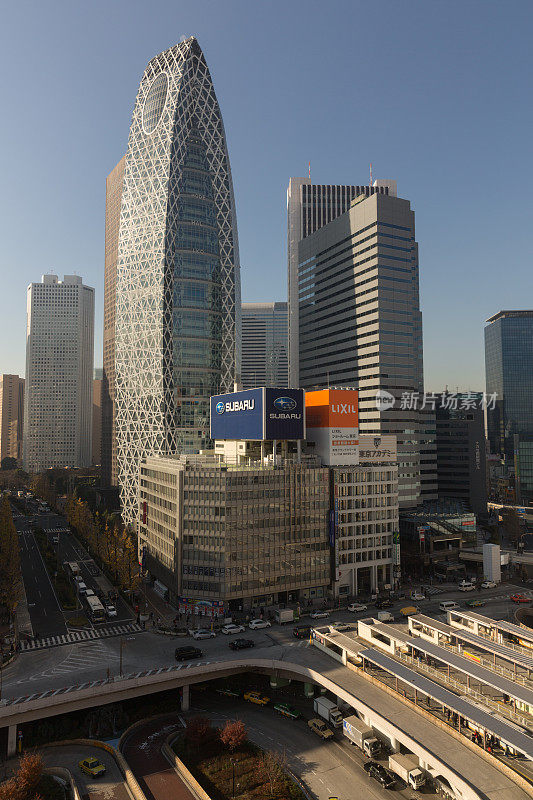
pixel 185 698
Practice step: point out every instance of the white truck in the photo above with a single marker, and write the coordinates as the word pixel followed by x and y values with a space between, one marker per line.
pixel 361 734
pixel 385 616
pixel 407 768
pixel 284 615
pixel 328 710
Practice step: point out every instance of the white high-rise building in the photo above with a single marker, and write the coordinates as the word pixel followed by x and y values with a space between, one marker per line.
pixel 59 374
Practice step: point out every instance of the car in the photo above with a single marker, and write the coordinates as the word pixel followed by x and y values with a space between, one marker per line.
pixel 89 593
pixel 241 644
pixel 81 587
pixel 520 598
pixel 255 624
pixel 341 626
pixel 467 587
pixel 475 603
pixel 186 653
pixel 417 596
pixel 320 615
pixel 301 631
pixel 286 710
pixel 180 632
pixel 488 585
pixel 257 698
pixel 319 727
pixel 110 611
pixel 355 608
pixel 380 774
pixel 228 629
pixel 203 633
pixel 227 691
pixel 384 603
pixel 91 766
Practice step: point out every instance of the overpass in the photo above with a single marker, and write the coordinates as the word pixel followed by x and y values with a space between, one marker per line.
pixel 397 722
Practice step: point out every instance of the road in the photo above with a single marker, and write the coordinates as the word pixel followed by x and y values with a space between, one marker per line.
pixel 109 787
pixel 45 613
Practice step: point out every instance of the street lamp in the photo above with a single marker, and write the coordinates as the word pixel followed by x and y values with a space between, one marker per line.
pixel 121 649
pixel 233 762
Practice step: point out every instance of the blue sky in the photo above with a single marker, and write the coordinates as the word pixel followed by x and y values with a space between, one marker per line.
pixel 435 94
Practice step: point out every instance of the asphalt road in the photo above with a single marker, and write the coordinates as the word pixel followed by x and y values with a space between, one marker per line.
pixel 45 613
pixel 109 787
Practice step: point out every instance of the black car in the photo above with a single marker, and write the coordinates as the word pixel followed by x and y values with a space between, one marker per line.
pixel 186 653
pixel 384 603
pixel 241 644
pixel 379 774
pixel 301 631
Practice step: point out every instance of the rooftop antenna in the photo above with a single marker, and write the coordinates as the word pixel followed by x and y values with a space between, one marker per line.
pixel 370 174
pixel 309 170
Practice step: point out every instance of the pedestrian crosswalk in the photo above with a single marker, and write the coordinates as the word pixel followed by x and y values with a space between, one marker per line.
pixel 80 636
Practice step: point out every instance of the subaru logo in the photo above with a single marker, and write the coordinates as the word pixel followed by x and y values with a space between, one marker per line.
pixel 220 408
pixel 285 403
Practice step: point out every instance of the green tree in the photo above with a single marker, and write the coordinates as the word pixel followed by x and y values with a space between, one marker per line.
pixel 8 463
pixel 10 575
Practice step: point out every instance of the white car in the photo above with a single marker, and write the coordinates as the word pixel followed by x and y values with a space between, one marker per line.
pixel 417 596
pixel 488 585
pixel 203 633
pixel 320 615
pixel 356 607
pixel 255 624
pixel 341 626
pixel 227 629
pixel 111 611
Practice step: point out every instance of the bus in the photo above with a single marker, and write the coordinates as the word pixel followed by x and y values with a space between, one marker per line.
pixel 96 609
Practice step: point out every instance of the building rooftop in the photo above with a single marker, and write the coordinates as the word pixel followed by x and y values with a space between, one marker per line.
pixel 503 314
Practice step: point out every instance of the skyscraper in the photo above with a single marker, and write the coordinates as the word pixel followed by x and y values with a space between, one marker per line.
pixel 11 416
pixel 178 305
pixel 58 394
pixel 509 375
pixel 113 198
pixel 354 311
pixel 264 345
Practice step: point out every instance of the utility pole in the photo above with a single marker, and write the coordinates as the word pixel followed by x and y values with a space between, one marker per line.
pixel 121 649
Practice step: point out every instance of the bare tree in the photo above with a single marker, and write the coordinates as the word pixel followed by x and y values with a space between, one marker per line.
pixel 273 767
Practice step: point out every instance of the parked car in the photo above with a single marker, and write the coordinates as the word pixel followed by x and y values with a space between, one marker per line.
pixel 467 587
pixel 227 691
pixel 181 632
pixel 110 611
pixel 319 727
pixel 286 710
pixel 92 767
pixel 520 598
pixel 384 603
pixel 203 633
pixel 301 631
pixel 186 653
pixel 231 628
pixel 241 644
pixel 355 608
pixel 255 624
pixel 341 626
pixel 257 698
pixel 320 615
pixel 488 585
pixel 380 774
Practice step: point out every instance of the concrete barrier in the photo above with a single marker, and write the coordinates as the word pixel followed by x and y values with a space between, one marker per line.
pixel 186 776
pixel 66 775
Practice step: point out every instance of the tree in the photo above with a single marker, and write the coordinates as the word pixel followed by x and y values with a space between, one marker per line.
pixel 272 767
pixel 8 463
pixel 233 734
pixel 24 782
pixel 10 575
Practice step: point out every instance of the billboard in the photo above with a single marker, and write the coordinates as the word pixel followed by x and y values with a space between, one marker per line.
pixel 377 449
pixel 256 414
pixel 332 421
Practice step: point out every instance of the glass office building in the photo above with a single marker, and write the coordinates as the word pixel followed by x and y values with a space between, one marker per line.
pixel 177 325
pixel 509 375
pixel 264 345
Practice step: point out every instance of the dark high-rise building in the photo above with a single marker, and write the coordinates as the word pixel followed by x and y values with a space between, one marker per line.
pixel 11 416
pixel 108 449
pixel 509 375
pixel 178 304
pixel 354 311
pixel 461 456
pixel 264 345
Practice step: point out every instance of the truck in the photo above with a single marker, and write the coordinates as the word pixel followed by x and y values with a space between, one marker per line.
pixel 385 616
pixel 284 615
pixel 407 768
pixel 328 710
pixel 362 735
pixel 72 567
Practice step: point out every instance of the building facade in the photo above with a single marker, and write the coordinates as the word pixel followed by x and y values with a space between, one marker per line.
pixel 359 320
pixel 11 416
pixel 113 199
pixel 234 528
pixel 58 407
pixel 509 375
pixel 265 359
pixel 97 421
pixel 461 452
pixel 178 305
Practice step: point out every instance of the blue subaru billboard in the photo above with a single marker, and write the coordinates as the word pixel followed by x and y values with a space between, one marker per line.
pixel 256 414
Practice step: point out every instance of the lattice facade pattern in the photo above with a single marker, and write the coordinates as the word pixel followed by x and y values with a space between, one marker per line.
pixel 178 277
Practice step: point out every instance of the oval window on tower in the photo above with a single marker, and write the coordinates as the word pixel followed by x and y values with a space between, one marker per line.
pixel 155 103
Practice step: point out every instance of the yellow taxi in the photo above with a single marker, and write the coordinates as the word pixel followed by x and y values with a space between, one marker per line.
pixel 257 698
pixel 92 767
